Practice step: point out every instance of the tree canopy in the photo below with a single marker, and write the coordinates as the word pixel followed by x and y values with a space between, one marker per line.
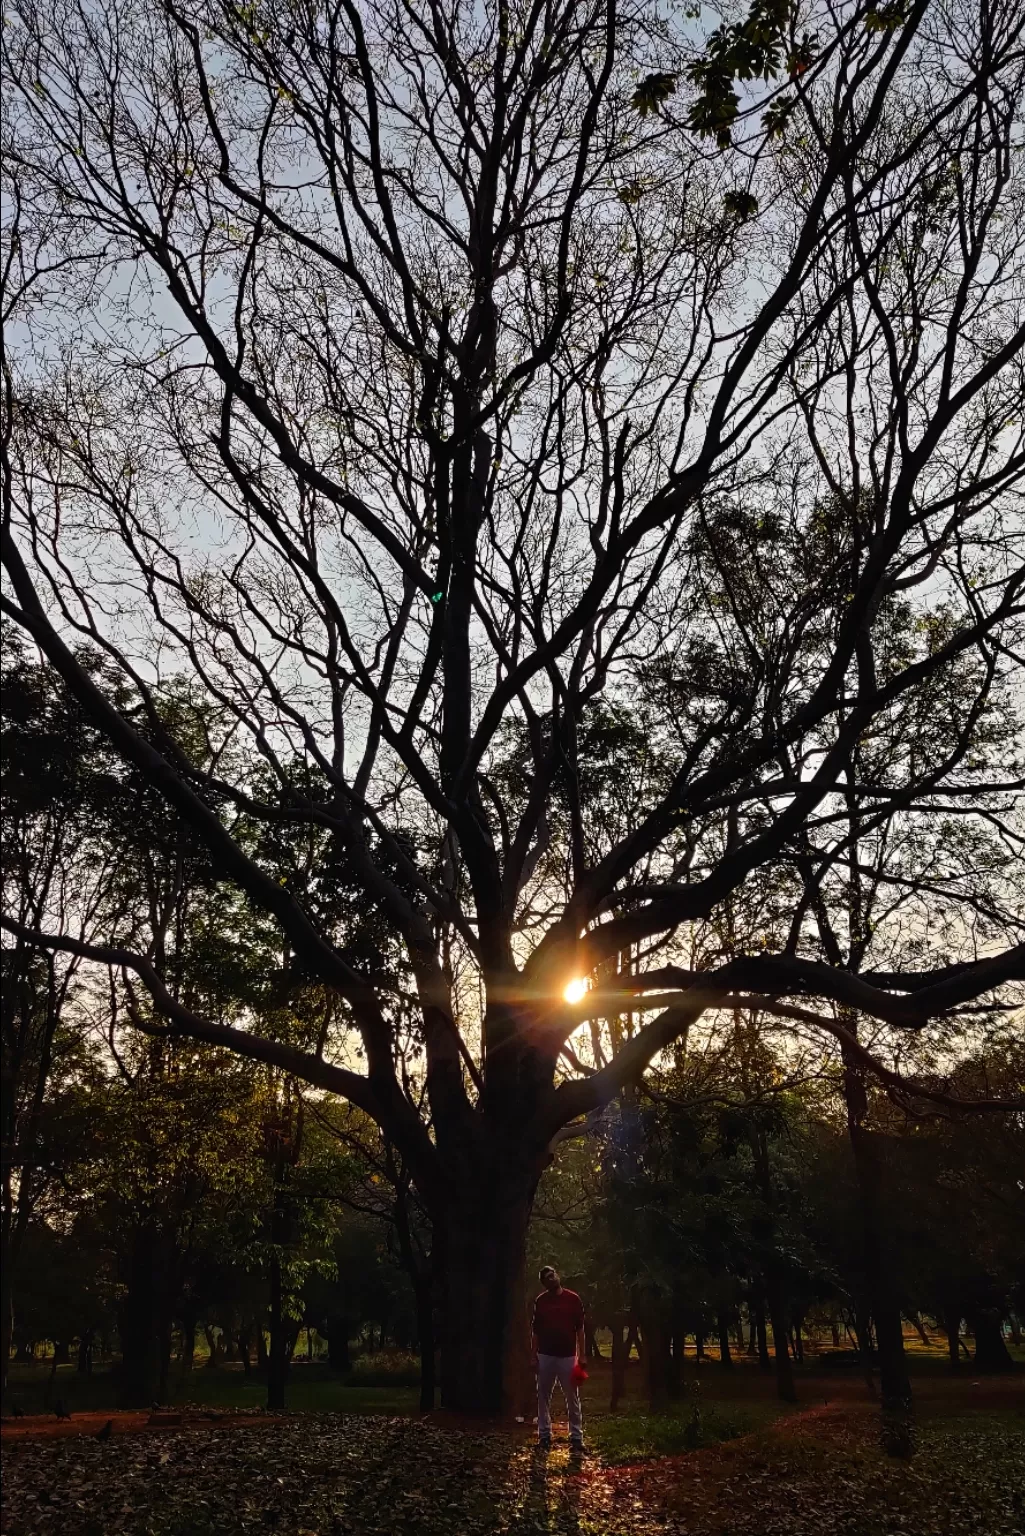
pixel 544 482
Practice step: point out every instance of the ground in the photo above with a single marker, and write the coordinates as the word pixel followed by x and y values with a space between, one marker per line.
pixel 811 1471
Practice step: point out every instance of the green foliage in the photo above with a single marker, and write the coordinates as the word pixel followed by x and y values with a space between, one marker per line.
pixel 885 18
pixel 757 48
pixel 740 205
pixel 654 90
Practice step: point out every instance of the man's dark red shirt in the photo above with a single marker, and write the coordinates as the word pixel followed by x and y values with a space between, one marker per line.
pixel 557 1316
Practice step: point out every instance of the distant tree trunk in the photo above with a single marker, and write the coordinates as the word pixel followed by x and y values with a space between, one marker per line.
pixel 85 1352
pixel 1015 1327
pixel 6 1318
pixel 262 1357
pixel 991 1352
pixel 591 1339
pixel 952 1328
pixel 773 1279
pixel 338 1343
pixel 677 1347
pixel 245 1334
pixel 62 1351
pixel 424 1294
pixel 138 1324
pixel 861 1326
pixel 620 1355
pixel 834 1329
pixel 655 1332
pixel 164 1345
pixel 723 1325
pixel 213 1344
pixel 897 1427
pixel 188 1336
pixel 277 1355
pixel 423 1277
pixel 50 1382
pixel 786 1388
pixel 919 1327
pixel 761 1334
pixel 699 1346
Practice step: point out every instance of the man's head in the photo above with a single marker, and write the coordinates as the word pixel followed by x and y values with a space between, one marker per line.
pixel 549 1277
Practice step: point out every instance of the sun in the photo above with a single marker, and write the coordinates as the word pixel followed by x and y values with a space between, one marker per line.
pixel 576 990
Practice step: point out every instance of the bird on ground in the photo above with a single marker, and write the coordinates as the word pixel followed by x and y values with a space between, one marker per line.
pixel 62 1410
pixel 19 1413
pixel 107 1430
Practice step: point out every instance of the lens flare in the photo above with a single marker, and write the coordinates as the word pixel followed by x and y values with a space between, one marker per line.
pixel 576 991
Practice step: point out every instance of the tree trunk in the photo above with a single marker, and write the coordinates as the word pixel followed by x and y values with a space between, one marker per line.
pixel 919 1327
pixel 723 1326
pixel 140 1344
pixel 188 1355
pixel 677 1347
pixel 952 1328
pixel 164 1347
pixel 277 1354
pixel 897 1427
pixel 6 1320
pixel 337 1329
pixel 761 1334
pixel 655 1332
pixel 62 1351
pixel 479 1253
pixel 786 1388
pixel 991 1352
pixel 244 1336
pixel 85 1352
pixel 50 1382
pixel 213 1345
pixel 620 1355
pixel 424 1293
pixel 834 1329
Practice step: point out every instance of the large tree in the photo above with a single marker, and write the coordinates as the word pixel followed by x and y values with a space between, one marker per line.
pixel 551 438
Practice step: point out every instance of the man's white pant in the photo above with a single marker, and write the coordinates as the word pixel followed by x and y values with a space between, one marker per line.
pixel 552 1368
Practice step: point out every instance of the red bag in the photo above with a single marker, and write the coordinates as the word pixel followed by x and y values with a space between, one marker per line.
pixel 579 1374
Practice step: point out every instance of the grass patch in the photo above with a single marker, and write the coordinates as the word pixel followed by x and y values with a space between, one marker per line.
pixel 627 1437
pixel 393 1369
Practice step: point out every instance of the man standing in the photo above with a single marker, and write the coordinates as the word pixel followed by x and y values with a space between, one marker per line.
pixel 557 1344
